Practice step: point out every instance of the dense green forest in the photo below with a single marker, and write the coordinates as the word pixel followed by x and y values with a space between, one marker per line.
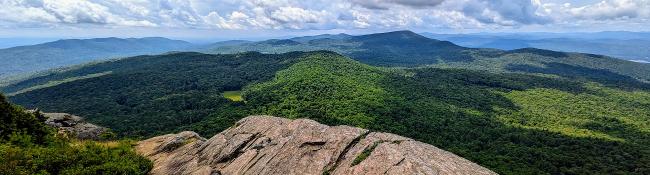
pixel 528 118
pixel 511 123
pixel 28 146
pixel 151 95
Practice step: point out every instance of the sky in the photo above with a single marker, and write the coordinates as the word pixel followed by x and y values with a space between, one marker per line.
pixel 242 19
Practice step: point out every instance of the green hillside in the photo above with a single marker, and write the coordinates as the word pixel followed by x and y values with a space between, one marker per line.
pixel 149 95
pixel 511 123
pixel 551 119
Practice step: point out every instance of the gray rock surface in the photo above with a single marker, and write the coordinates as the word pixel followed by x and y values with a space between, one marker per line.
pixel 272 145
pixel 74 125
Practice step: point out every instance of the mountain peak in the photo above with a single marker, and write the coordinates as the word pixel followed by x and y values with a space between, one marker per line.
pixel 404 32
pixel 299 146
pixel 401 33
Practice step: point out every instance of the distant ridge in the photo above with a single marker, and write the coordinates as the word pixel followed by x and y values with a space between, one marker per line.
pixel 408 49
pixel 67 52
pixel 397 48
pixel 619 44
pixel 401 34
pixel 323 36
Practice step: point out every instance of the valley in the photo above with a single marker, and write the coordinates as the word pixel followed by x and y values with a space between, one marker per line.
pixel 512 120
pixel 324 87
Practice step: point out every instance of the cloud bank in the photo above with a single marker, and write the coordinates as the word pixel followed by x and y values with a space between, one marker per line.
pixel 317 14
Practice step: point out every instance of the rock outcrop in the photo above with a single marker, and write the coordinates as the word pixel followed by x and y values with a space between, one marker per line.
pixel 271 145
pixel 72 125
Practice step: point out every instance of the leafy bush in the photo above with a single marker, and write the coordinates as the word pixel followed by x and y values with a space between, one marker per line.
pixel 27 146
pixel 64 158
pixel 15 121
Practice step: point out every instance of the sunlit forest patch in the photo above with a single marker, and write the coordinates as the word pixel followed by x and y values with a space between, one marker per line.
pixel 233 95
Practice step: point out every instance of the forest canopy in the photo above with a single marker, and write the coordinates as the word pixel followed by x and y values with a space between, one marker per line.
pixel 529 118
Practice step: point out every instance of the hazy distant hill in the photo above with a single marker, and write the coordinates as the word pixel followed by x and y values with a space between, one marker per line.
pixel 624 45
pixel 221 44
pixel 405 48
pixel 323 36
pixel 24 59
pixel 399 48
pixel 13 42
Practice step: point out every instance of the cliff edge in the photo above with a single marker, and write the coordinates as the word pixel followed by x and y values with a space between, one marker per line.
pixel 272 145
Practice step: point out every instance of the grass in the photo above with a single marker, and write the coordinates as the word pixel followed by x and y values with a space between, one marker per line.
pixel 105 144
pixel 366 152
pixel 58 82
pixel 233 95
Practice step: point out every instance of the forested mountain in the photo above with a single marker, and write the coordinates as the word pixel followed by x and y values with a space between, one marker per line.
pixel 323 36
pixel 181 88
pixel 399 48
pixel 405 48
pixel 541 112
pixel 63 53
pixel 511 123
pixel 220 44
pixel 624 45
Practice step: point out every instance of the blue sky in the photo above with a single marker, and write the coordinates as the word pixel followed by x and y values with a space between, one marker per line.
pixel 273 18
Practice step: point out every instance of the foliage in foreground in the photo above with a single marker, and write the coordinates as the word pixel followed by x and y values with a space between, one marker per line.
pixel 64 158
pixel 27 146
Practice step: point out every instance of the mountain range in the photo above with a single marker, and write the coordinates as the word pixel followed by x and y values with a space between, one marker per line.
pixel 68 52
pixel 23 61
pixel 625 45
pixel 408 49
pixel 523 111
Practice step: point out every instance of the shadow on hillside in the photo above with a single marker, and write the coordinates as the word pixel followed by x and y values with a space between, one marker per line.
pixel 542 52
pixel 150 95
pixel 452 109
pixel 380 51
pixel 601 76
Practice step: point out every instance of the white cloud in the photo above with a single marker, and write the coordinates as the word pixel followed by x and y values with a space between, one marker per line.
pixel 11 11
pixel 317 14
pixel 63 11
pixel 216 20
pixel 605 10
pixel 294 14
pixel 386 4
pixel 603 15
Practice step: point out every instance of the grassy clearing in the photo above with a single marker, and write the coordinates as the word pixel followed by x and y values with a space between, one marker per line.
pixel 233 95
pixel 58 82
pixel 104 144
